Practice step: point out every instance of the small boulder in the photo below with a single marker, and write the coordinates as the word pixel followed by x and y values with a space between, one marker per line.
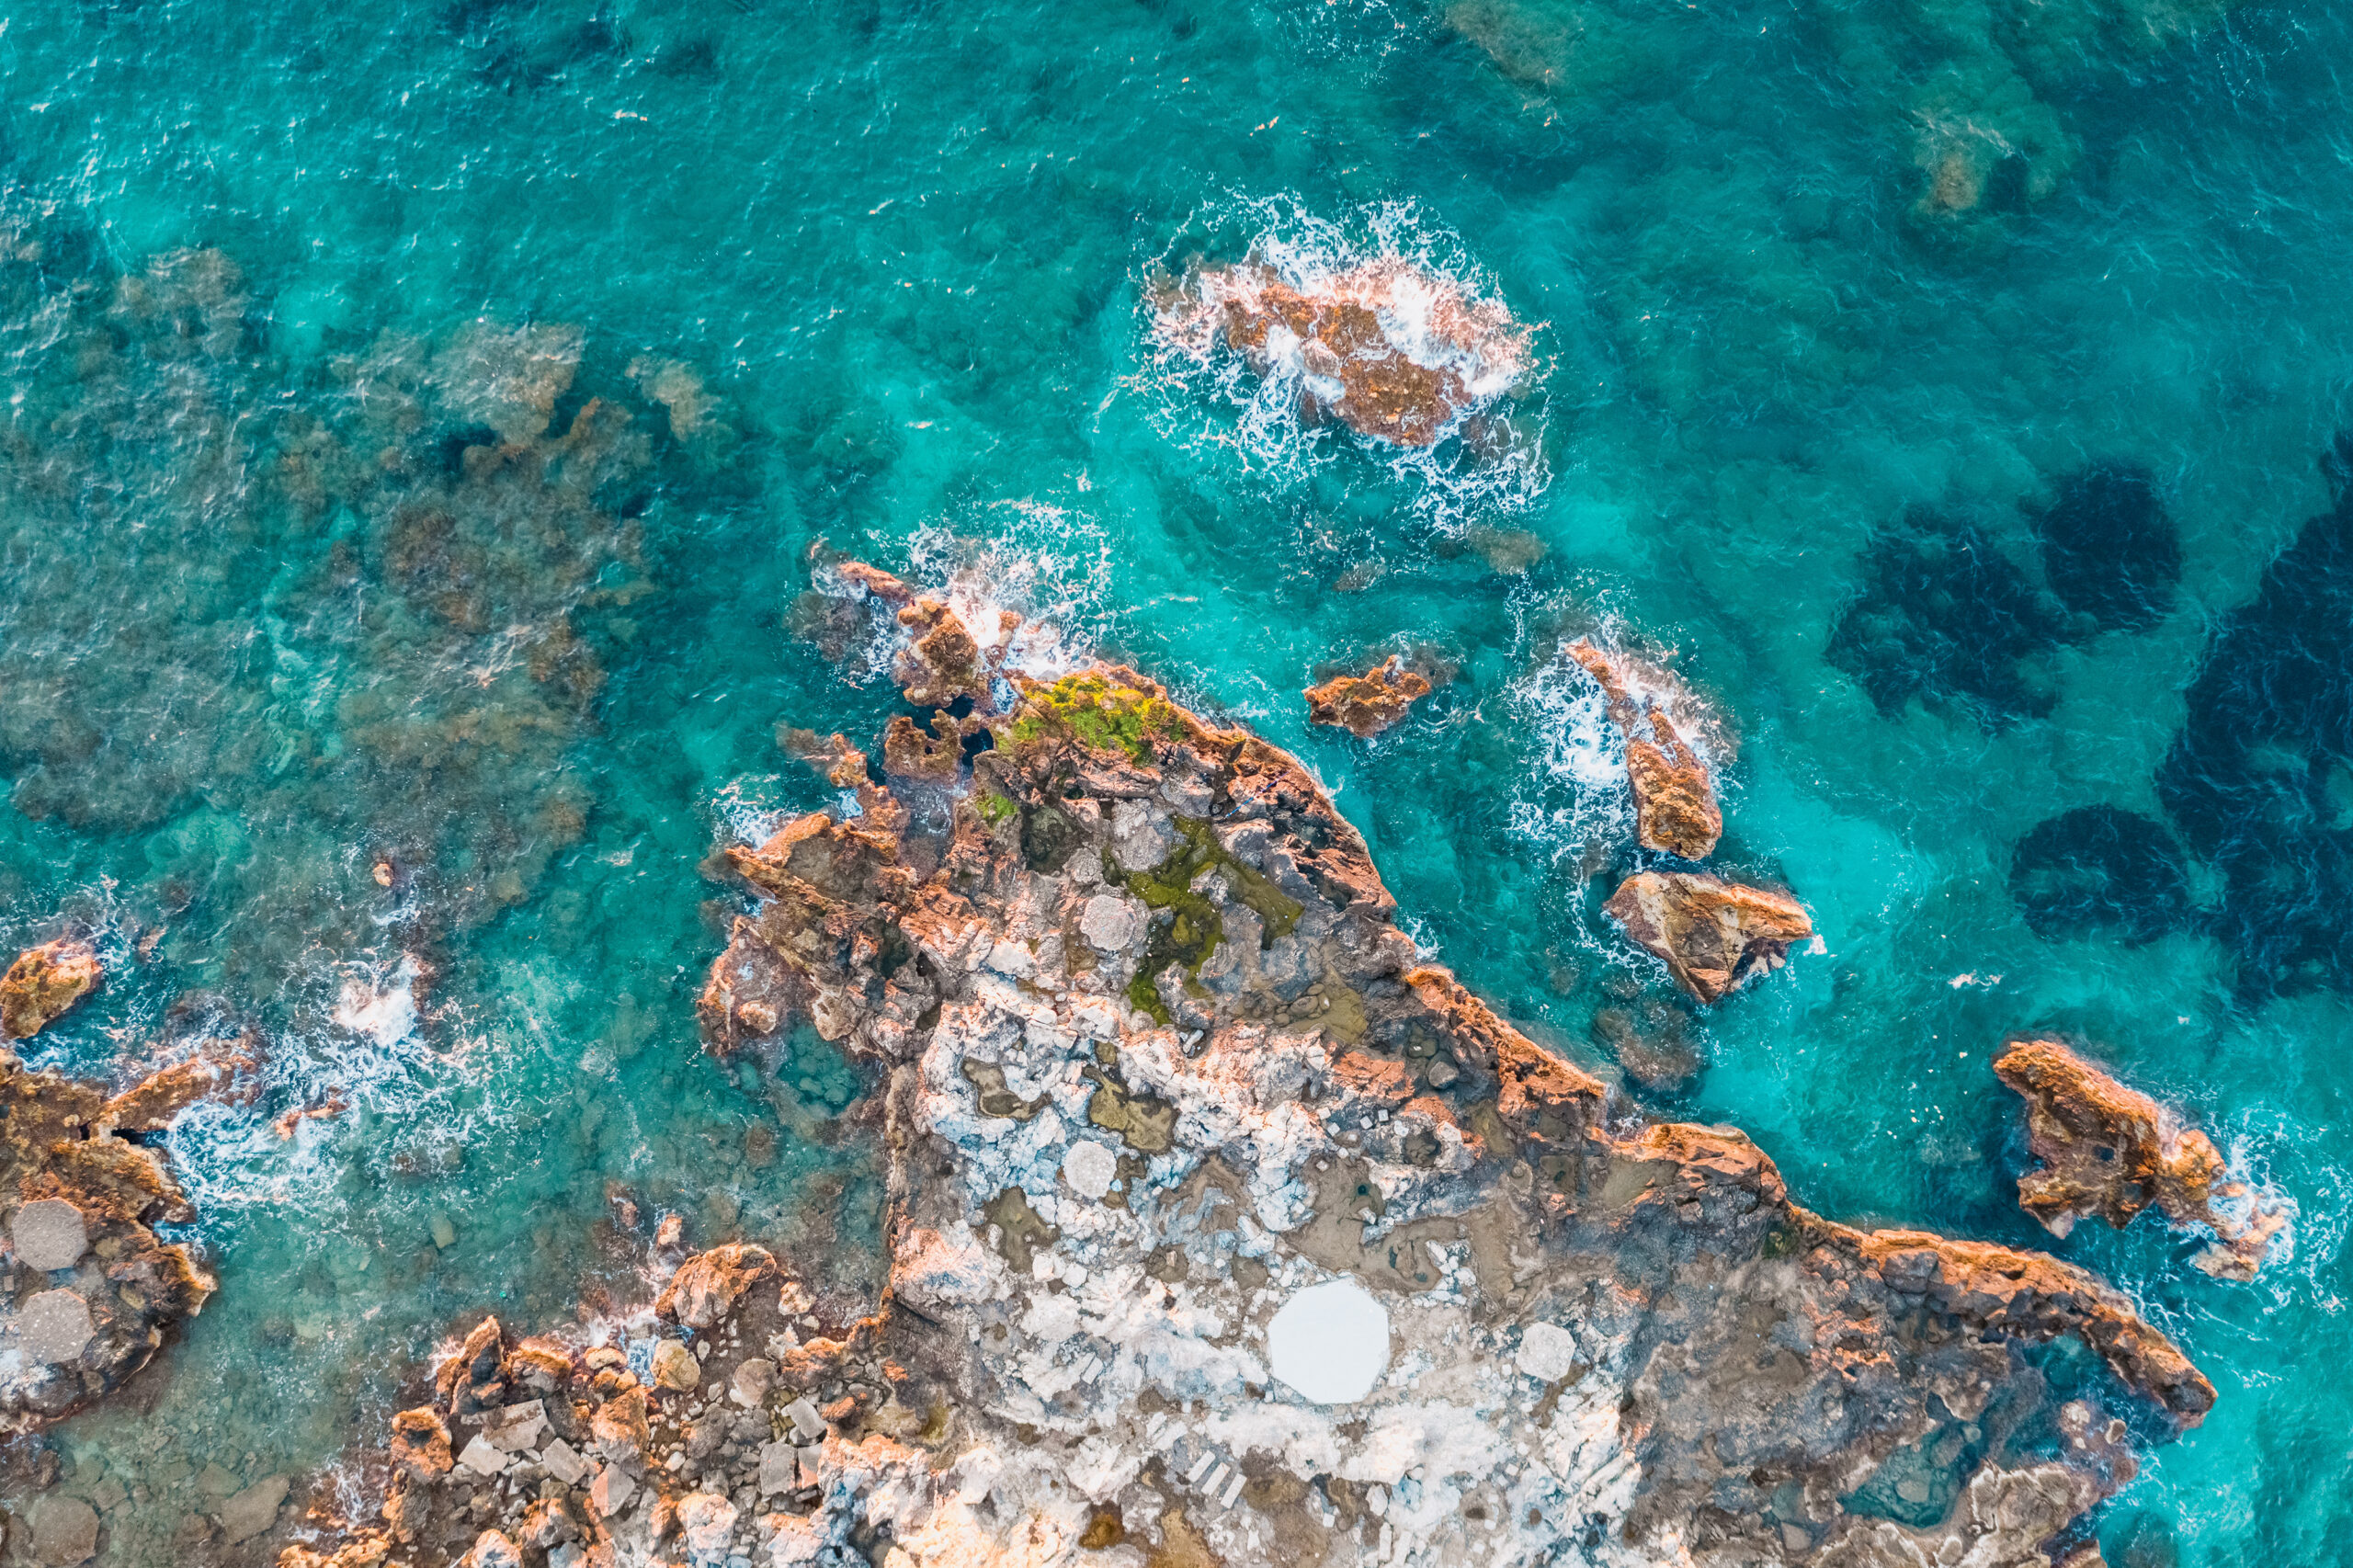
pixel 421 1442
pixel 1713 935
pixel 674 1367
pixel 1366 704
pixel 43 983
pixel 64 1532
pixel 254 1510
pixel 708 1520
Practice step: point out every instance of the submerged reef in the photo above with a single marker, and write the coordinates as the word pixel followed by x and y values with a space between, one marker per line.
pixel 2111 1150
pixel 2110 549
pixel 1365 705
pixel 1160 1070
pixel 2259 782
pixel 2101 868
pixel 1945 616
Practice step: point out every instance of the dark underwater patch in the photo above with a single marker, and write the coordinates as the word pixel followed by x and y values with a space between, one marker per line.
pixel 2110 548
pixel 2099 869
pixel 1945 616
pixel 2259 782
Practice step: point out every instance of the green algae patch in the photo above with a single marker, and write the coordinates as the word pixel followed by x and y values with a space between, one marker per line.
pixel 1021 1234
pixel 995 809
pixel 1103 715
pixel 1194 927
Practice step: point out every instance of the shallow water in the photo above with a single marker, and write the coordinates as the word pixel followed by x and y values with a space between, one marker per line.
pixel 874 274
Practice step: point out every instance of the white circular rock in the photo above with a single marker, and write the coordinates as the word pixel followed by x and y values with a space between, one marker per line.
pixel 1330 1342
pixel 1110 922
pixel 49 1234
pixel 54 1325
pixel 1090 1168
pixel 1546 1352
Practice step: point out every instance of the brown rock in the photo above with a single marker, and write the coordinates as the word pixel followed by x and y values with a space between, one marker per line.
pixel 43 983
pixel 215 1072
pixel 254 1510
pixel 1366 704
pixel 1675 799
pixel 421 1442
pixel 1713 936
pixel 1395 384
pixel 64 1532
pixel 2111 1150
pixel 707 1284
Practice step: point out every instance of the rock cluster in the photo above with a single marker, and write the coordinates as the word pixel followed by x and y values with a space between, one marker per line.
pixel 1365 705
pixel 87 1292
pixel 1386 346
pixel 711 1436
pixel 1675 799
pixel 1713 936
pixel 43 983
pixel 2109 1150
pixel 1155 1063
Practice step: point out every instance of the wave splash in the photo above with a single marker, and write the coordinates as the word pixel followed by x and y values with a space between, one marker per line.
pixel 1378 324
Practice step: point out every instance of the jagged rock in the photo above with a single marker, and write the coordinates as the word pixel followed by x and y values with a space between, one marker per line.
pixel 707 1285
pixel 421 1442
pixel 1624 1342
pixel 1387 348
pixel 222 1067
pixel 43 983
pixel 2111 1150
pixel 61 1171
pixel 674 1367
pixel 1366 704
pixel 1713 936
pixel 1674 799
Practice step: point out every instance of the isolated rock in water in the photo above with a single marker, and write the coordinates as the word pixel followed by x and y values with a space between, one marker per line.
pixel 1604 1340
pixel 78 1204
pixel 1386 346
pixel 2111 1150
pixel 1366 704
pixel 1713 936
pixel 64 1532
pixel 43 983
pixel 1674 799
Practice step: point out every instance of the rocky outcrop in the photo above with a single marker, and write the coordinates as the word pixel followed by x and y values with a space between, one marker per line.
pixel 1366 704
pixel 1674 799
pixel 2111 1151
pixel 1154 1064
pixel 1713 936
pixel 87 1291
pixel 43 983
pixel 1388 347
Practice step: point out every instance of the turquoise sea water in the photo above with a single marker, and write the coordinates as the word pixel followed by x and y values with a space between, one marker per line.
pixel 270 273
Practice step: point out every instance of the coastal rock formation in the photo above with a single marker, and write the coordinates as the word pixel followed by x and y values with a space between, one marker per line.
pixel 87 1291
pixel 1675 799
pixel 1366 704
pixel 2111 1150
pixel 1386 346
pixel 43 983
pixel 1157 1062
pixel 1713 936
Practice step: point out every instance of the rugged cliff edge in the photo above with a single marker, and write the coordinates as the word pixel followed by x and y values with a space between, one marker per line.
pixel 1157 1062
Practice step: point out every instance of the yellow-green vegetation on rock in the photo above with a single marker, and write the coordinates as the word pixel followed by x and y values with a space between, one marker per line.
pixel 1100 713
pixel 996 810
pixel 1193 928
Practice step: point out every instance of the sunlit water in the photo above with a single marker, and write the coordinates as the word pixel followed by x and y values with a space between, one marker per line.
pixel 876 274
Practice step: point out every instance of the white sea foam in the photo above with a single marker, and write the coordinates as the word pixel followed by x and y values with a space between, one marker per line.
pixel 1436 308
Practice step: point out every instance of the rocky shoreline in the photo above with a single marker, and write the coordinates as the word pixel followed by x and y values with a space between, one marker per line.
pixel 1158 1069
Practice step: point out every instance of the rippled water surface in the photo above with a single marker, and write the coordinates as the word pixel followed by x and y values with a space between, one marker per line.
pixel 1929 385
